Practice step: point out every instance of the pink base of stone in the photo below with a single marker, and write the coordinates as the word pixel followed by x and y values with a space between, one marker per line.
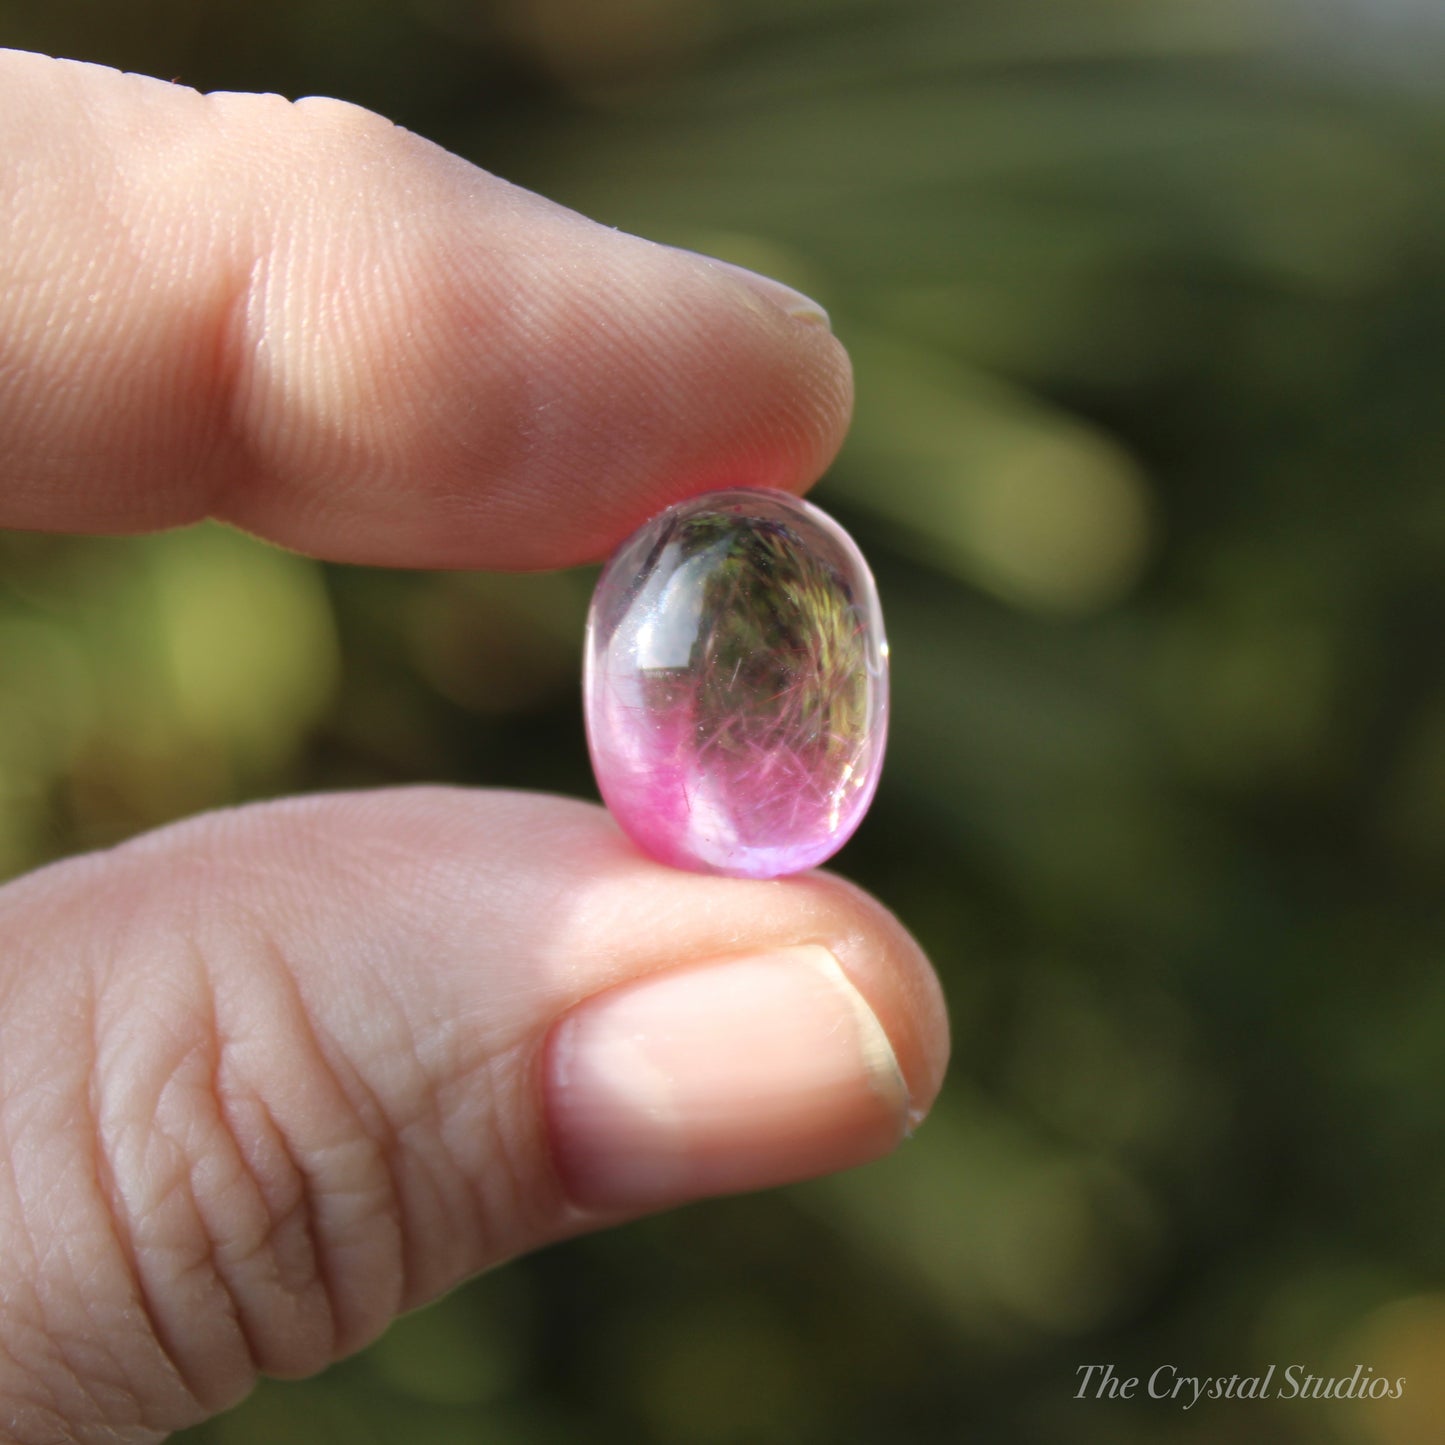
pixel 760 818
pixel 736 685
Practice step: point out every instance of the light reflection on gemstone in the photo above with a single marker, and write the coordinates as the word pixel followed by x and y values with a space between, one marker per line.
pixel 736 685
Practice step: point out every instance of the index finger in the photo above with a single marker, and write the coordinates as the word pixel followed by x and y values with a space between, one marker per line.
pixel 306 321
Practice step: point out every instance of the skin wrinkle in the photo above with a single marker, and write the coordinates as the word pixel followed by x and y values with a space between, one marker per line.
pixel 260 1143
pixel 231 459
pixel 376 1128
pixel 281 1220
pixel 159 1271
pixel 172 1267
pixel 228 1271
pixel 119 1216
pixel 233 1265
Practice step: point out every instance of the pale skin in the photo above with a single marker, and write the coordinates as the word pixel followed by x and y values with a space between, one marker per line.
pixel 271 1076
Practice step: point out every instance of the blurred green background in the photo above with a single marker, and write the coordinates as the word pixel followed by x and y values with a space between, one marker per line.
pixel 1147 303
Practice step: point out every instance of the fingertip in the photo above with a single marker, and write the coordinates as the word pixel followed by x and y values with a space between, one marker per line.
pixel 718 1078
pixel 330 332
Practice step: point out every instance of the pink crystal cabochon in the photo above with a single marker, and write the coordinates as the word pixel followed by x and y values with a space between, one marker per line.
pixel 736 685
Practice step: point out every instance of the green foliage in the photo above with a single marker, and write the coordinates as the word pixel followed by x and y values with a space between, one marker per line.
pixel 1146 301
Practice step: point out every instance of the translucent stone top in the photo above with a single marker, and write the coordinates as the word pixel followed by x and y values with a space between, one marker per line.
pixel 736 685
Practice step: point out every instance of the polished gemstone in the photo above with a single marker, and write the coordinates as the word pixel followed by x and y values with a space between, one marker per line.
pixel 736 685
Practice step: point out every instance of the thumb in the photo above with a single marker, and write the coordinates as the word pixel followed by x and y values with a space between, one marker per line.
pixel 273 1075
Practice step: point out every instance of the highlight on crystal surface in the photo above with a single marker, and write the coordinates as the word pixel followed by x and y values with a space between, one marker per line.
pixel 736 685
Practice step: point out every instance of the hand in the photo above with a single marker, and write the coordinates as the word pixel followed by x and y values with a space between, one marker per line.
pixel 272 1075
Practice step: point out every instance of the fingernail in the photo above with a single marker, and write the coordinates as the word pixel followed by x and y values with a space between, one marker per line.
pixel 718 1078
pixel 802 308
